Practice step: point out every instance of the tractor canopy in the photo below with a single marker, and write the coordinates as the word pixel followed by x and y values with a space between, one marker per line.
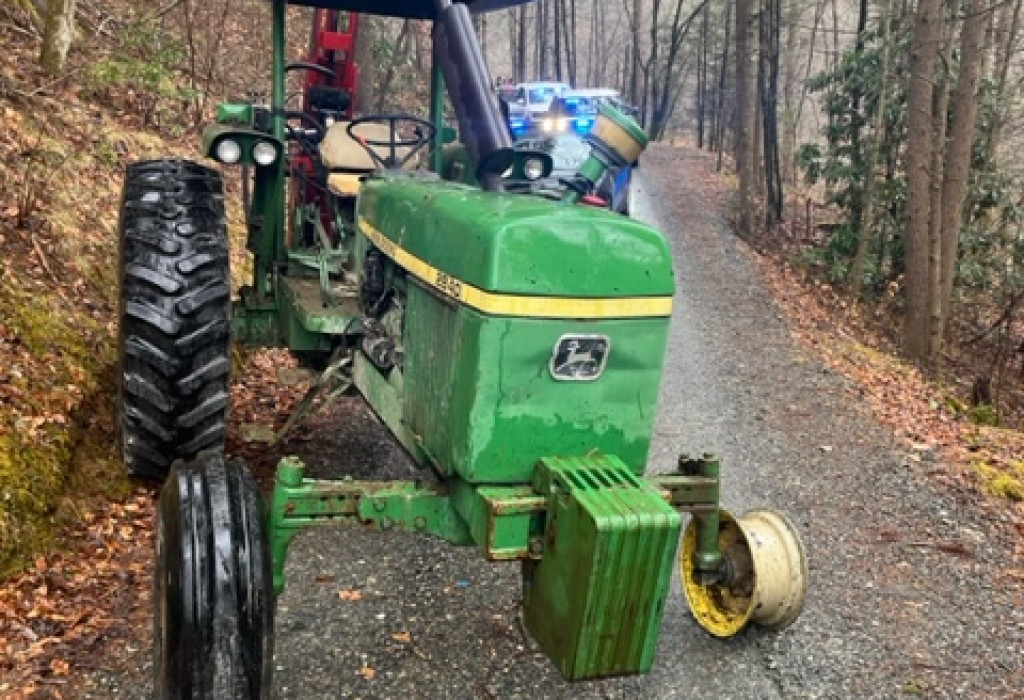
pixel 408 9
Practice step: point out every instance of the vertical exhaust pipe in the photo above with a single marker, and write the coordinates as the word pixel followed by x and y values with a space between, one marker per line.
pixel 481 126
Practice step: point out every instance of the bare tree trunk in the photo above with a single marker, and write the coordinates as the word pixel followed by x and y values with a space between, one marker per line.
pixel 664 88
pixel 770 20
pixel 744 118
pixel 634 79
pixel 58 33
pixel 421 35
pixel 927 34
pixel 389 72
pixel 958 158
pixel 819 13
pixel 702 77
pixel 865 232
pixel 720 119
pixel 557 9
pixel 1006 48
pixel 540 64
pixel 757 137
pixel 570 44
pixel 513 44
pixel 521 56
pixel 483 33
pixel 940 110
pixel 789 81
pixel 369 27
pixel 650 68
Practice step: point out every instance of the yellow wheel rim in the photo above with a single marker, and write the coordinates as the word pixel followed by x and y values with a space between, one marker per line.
pixel 768 574
pixel 721 609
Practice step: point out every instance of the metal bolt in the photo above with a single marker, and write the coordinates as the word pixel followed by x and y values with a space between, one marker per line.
pixel 379 505
pixel 536 546
pixel 386 523
pixel 420 523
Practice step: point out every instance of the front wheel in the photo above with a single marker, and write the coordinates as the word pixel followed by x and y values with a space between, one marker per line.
pixel 175 307
pixel 767 580
pixel 213 601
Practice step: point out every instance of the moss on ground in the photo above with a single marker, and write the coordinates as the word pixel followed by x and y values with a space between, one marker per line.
pixel 1003 483
pixel 32 477
pixel 54 361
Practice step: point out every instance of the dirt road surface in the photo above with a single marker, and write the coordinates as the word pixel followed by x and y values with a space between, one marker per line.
pixel 910 593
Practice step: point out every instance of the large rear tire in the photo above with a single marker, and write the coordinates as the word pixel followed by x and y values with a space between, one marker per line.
pixel 175 312
pixel 213 601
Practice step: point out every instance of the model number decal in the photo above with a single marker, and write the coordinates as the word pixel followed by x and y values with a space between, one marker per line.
pixel 448 284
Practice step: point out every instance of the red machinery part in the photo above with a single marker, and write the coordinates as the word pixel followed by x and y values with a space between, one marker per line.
pixel 332 45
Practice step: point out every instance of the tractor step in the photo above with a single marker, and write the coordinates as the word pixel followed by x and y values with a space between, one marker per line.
pixel 594 601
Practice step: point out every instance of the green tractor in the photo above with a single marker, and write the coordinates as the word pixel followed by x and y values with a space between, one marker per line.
pixel 511 340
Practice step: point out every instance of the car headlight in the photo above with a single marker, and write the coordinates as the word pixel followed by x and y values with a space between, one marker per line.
pixel 228 151
pixel 533 168
pixel 264 153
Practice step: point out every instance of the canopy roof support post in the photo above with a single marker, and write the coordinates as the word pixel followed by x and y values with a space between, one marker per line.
pixel 437 109
pixel 277 86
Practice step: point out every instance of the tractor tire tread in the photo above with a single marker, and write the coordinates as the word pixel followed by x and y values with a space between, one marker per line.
pixel 214 620
pixel 175 315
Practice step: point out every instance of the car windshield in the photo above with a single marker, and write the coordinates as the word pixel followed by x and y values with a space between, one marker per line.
pixel 567 151
pixel 541 95
pixel 580 105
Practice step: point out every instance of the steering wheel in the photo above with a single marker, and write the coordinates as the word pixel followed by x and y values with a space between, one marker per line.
pixel 423 132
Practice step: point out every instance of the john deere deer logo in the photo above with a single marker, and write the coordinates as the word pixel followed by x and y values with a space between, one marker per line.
pixel 579 357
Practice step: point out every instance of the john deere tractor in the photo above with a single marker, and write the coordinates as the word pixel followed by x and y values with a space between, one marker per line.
pixel 511 339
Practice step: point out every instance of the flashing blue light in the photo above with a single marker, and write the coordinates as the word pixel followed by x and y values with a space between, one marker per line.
pixel 583 126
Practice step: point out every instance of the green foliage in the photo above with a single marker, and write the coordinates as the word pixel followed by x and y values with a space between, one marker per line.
pixel 992 248
pixel 851 95
pixel 809 159
pixel 983 414
pixel 143 75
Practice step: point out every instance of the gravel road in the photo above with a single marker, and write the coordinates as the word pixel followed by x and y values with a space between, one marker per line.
pixel 908 593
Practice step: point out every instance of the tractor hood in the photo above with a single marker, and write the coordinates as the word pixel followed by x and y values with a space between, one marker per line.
pixel 513 244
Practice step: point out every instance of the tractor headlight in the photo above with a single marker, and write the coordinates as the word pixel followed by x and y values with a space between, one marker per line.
pixel 264 153
pixel 228 151
pixel 533 168
pixel 547 125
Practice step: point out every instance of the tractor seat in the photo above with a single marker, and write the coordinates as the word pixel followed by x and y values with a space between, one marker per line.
pixel 347 161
